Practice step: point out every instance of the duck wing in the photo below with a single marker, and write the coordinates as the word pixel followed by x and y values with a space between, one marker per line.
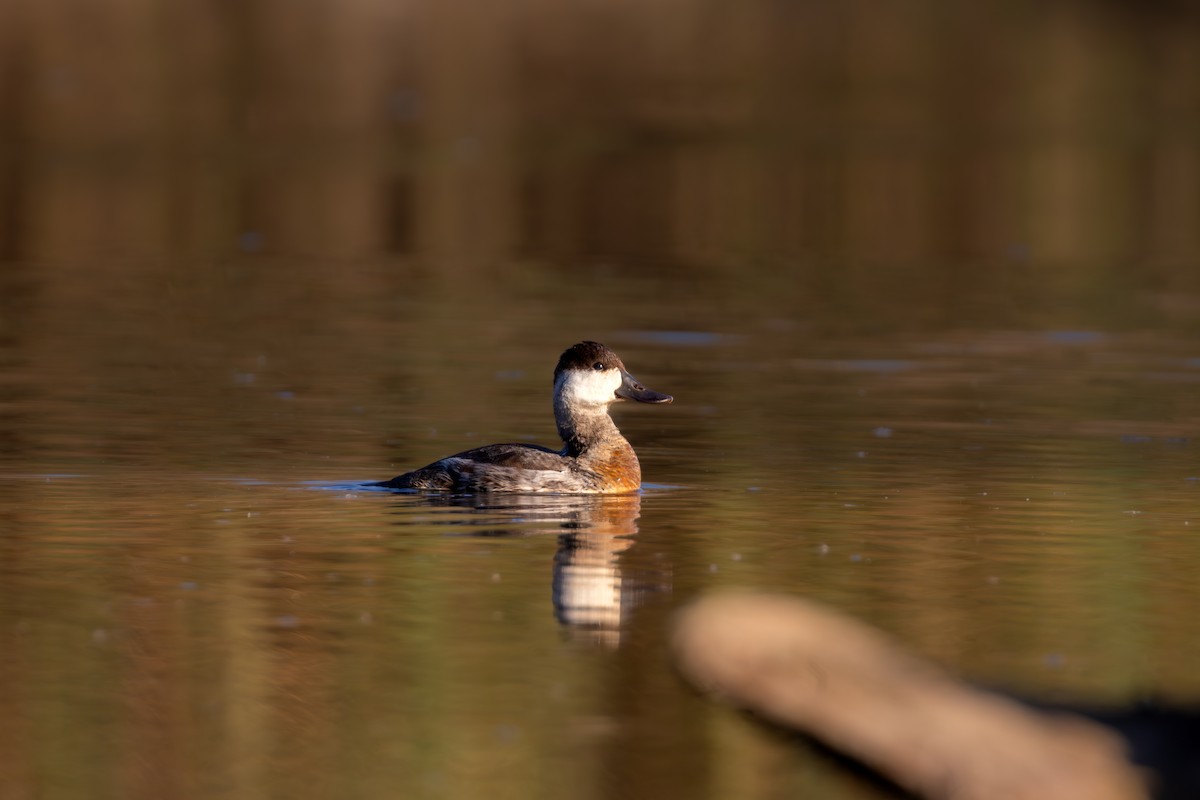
pixel 523 456
pixel 461 471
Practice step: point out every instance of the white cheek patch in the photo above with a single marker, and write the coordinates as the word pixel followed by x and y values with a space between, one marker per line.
pixel 588 387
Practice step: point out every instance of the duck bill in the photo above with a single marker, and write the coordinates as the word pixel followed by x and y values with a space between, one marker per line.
pixel 630 389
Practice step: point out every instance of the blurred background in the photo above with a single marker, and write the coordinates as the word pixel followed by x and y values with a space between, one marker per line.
pixel 980 147
pixel 924 278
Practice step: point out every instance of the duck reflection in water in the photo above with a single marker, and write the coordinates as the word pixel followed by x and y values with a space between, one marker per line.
pixel 592 593
pixel 594 587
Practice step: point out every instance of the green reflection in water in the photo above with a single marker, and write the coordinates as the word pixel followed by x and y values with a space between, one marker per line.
pixel 924 293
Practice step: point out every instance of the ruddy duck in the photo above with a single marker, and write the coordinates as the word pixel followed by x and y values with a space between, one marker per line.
pixel 595 458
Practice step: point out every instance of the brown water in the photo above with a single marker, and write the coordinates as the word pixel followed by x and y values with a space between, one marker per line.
pixel 935 358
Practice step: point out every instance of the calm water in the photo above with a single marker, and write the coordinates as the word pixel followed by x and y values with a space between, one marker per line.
pixel 198 600
pixel 935 350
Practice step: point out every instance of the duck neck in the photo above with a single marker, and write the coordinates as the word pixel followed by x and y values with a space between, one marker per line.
pixel 581 429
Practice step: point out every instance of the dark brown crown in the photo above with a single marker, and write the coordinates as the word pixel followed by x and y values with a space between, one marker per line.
pixel 586 355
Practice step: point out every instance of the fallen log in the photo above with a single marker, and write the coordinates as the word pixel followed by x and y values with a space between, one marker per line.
pixel 852 688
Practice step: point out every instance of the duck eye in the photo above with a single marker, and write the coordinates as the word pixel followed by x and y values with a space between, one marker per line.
pixel 598 365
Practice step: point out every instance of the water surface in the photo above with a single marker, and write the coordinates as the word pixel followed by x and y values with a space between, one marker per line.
pixel 199 599
pixel 924 292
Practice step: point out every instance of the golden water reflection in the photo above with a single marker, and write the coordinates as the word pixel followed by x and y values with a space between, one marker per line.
pixel 1051 143
pixel 921 277
pixel 592 593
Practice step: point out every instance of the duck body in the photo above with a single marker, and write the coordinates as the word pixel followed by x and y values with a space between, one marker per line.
pixel 595 457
